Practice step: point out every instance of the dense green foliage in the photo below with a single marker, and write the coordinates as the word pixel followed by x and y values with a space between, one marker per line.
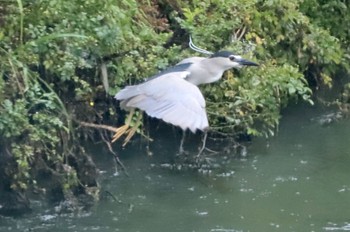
pixel 61 61
pixel 284 39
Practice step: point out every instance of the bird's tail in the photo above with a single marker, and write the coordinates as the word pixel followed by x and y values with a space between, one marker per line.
pixel 127 92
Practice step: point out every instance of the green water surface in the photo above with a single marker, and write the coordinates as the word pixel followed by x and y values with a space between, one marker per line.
pixel 298 180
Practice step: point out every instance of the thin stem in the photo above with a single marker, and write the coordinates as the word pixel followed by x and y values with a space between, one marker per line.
pixel 20 7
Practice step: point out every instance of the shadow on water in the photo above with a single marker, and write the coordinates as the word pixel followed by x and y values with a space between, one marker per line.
pixel 295 181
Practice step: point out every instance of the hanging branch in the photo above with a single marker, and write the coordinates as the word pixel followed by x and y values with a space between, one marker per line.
pixel 108 143
pixel 115 155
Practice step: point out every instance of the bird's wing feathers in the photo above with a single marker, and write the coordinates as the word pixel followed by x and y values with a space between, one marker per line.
pixel 168 97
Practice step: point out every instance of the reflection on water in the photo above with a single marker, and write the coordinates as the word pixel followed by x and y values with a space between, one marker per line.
pixel 296 181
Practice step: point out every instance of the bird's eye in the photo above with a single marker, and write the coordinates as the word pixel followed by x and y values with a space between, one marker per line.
pixel 232 58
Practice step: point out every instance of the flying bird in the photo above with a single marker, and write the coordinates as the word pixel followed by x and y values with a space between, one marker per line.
pixel 173 95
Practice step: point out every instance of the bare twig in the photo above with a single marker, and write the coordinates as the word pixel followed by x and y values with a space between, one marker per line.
pixel 115 155
pixel 98 126
pixel 238 34
pixel 113 197
pixel 106 141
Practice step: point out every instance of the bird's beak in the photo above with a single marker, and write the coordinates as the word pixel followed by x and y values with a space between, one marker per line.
pixel 247 62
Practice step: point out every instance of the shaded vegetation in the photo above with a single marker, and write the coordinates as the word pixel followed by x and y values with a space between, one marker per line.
pixel 62 61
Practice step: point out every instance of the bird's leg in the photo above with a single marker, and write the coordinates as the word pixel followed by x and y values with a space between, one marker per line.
pixel 181 149
pixel 203 146
pixel 132 131
pixel 123 129
pixel 203 143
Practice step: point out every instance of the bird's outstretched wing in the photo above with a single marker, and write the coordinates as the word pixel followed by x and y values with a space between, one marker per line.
pixel 168 97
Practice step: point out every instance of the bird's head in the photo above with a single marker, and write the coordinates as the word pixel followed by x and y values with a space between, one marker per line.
pixel 228 60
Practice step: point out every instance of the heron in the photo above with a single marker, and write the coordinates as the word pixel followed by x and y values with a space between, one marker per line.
pixel 173 94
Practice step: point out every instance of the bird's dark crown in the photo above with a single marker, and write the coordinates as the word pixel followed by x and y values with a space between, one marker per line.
pixel 222 54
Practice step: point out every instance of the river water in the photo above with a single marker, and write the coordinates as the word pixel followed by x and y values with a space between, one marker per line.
pixel 298 180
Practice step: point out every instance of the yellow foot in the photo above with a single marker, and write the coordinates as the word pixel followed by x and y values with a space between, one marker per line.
pixel 124 130
pixel 129 132
pixel 119 132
